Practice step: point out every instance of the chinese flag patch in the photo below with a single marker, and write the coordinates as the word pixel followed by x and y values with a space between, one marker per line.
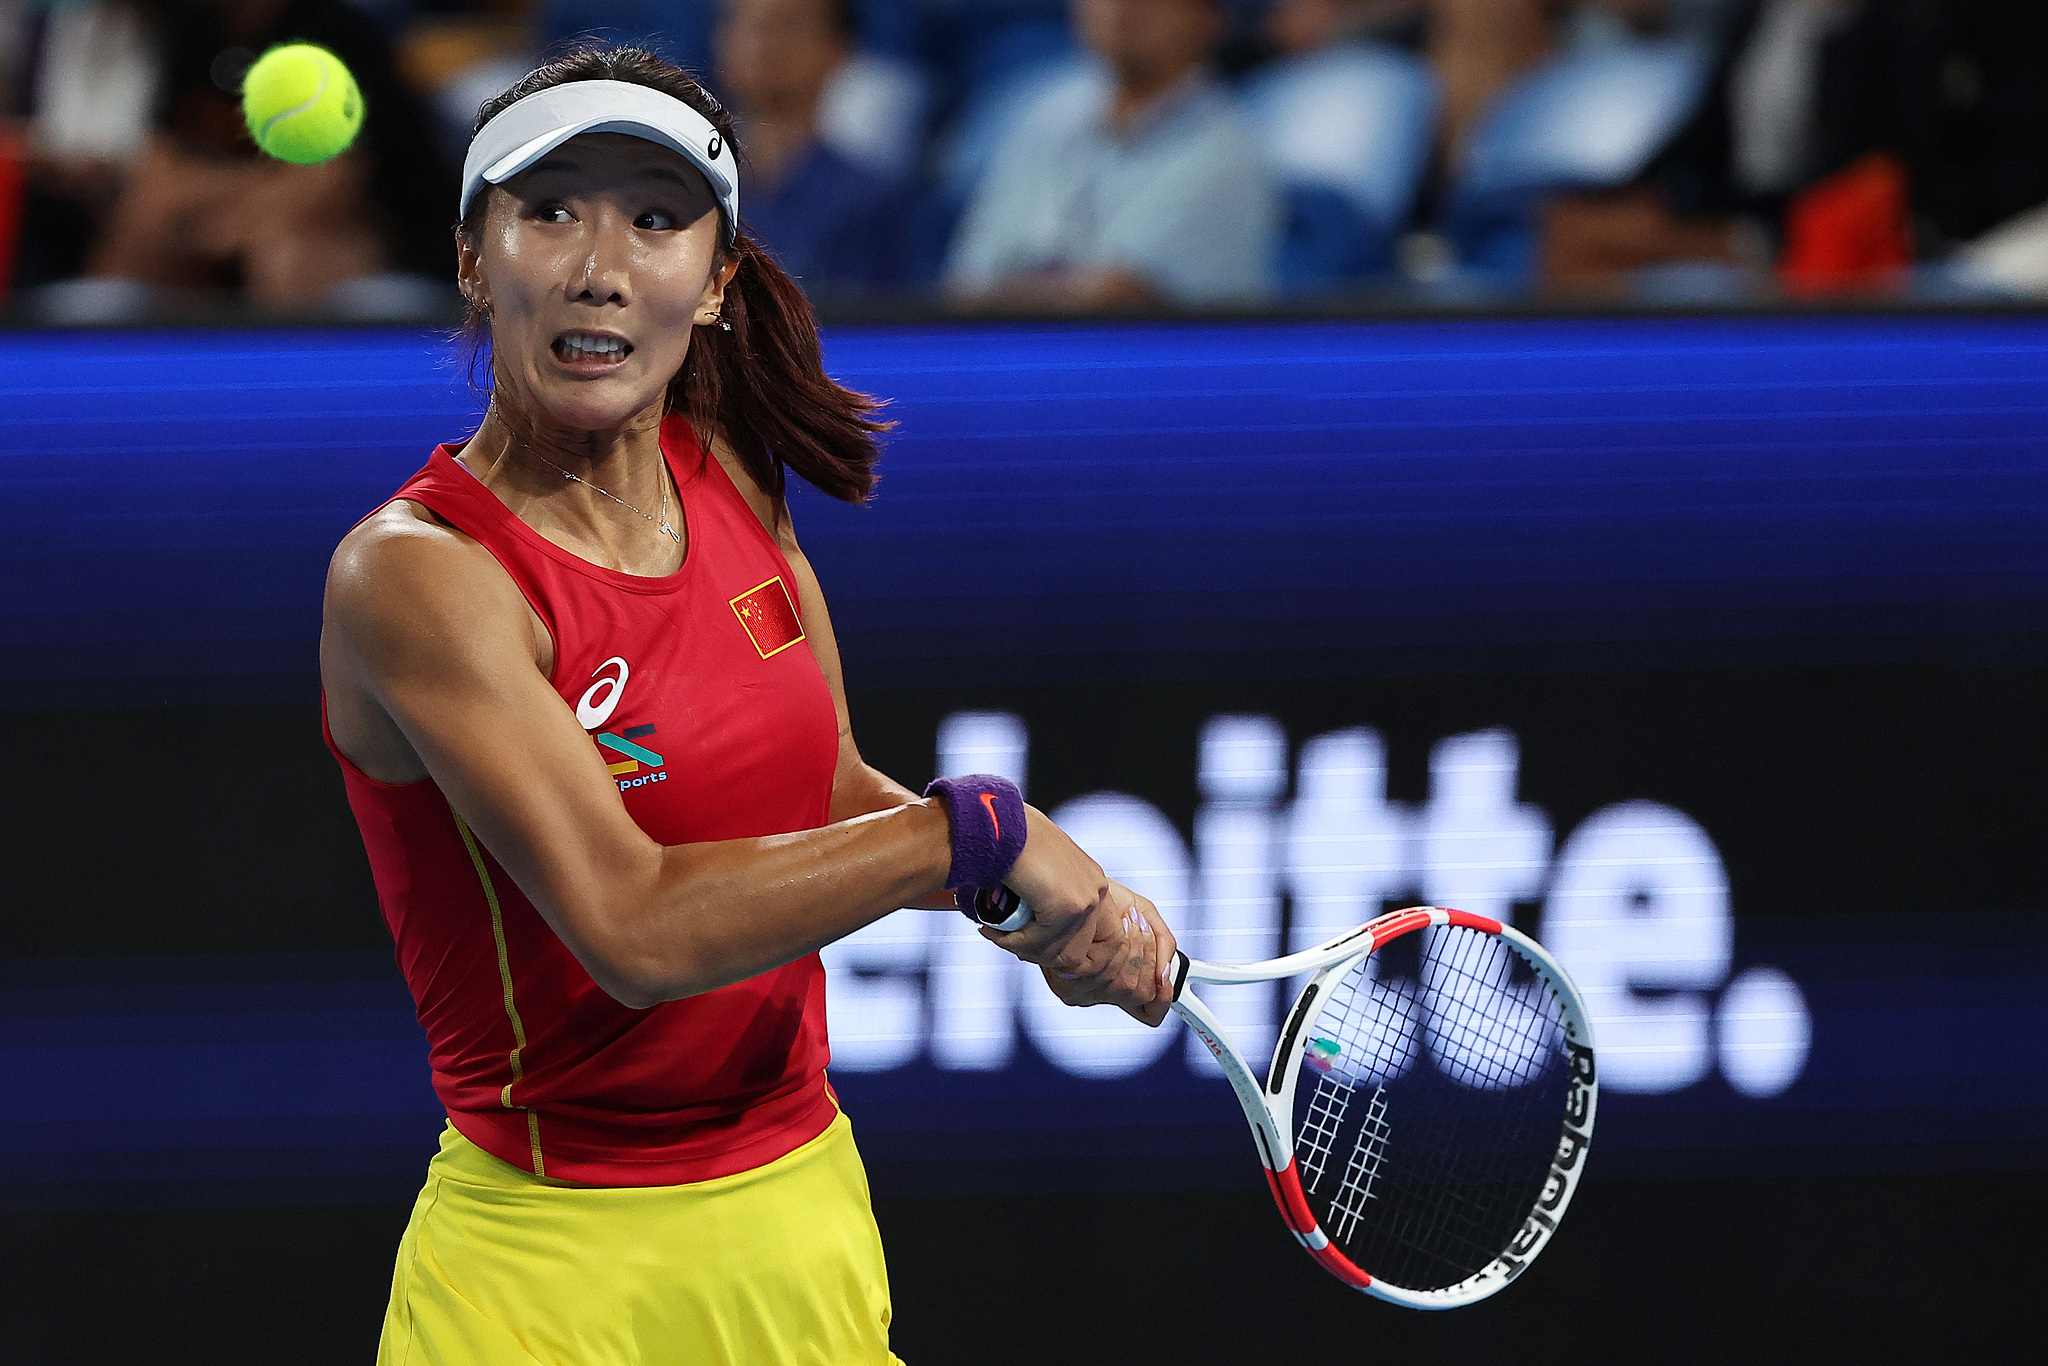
pixel 769 616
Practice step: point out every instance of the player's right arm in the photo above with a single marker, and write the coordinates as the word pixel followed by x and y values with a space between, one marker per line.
pixel 434 665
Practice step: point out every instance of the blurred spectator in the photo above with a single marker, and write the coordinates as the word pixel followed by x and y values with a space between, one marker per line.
pixel 1718 192
pixel 1294 28
pixel 871 109
pixel 1347 125
pixel 833 224
pixel 1150 188
pixel 83 79
pixel 1540 97
pixel 1478 47
pixel 1841 138
pixel 194 205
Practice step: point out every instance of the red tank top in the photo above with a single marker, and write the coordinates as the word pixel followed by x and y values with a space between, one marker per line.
pixel 716 723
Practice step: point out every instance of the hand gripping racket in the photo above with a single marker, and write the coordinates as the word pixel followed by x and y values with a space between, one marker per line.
pixel 1427 1112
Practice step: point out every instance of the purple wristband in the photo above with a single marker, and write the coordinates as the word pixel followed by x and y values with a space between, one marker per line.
pixel 986 814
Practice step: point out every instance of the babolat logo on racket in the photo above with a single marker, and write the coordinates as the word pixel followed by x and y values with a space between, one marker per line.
pixel 1557 1186
pixel 636 765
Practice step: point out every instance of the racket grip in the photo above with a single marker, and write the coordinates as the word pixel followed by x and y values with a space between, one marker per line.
pixel 1180 972
pixel 999 908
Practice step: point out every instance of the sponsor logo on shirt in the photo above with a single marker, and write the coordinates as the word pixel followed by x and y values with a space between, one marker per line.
pixel 631 764
pixel 601 698
pixel 769 616
pixel 636 764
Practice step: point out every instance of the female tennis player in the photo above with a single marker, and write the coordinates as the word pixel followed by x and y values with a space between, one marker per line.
pixel 588 708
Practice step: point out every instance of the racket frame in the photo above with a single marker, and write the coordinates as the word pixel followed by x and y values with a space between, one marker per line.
pixel 1268 1102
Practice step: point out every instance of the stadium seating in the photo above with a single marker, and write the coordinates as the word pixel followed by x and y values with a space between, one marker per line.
pixel 1580 121
pixel 1348 130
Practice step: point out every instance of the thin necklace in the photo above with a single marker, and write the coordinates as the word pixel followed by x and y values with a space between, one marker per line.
pixel 661 523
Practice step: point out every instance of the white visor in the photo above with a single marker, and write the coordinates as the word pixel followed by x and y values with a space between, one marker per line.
pixel 531 128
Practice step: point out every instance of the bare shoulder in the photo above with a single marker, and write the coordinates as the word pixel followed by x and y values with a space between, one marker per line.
pixel 396 530
pixel 403 573
pixel 398 551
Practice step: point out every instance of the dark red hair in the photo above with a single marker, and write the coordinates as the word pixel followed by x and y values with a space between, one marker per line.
pixel 762 385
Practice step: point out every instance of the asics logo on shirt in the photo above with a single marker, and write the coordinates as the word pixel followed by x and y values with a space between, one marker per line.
pixel 601 698
pixel 632 757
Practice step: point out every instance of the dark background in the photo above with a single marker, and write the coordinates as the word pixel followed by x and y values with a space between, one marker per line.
pixel 1844 687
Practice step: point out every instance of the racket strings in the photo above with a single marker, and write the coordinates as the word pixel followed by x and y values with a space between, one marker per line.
pixel 1367 1154
pixel 1327 1105
pixel 1485 1037
pixel 1463 1071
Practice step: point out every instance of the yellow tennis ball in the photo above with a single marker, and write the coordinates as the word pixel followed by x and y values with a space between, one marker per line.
pixel 301 104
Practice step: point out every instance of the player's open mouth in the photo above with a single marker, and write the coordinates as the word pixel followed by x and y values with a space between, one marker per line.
pixel 591 350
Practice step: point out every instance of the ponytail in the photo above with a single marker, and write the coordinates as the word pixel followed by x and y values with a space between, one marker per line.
pixel 763 387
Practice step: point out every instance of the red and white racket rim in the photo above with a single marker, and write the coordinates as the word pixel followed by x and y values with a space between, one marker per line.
pixel 1567 1162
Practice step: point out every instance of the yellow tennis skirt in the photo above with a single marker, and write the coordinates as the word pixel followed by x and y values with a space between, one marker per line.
pixel 781 1264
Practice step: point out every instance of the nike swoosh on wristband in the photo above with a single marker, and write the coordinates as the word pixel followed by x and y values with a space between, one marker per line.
pixel 988 799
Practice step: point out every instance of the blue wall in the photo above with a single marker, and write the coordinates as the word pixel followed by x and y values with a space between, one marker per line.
pixel 1150 501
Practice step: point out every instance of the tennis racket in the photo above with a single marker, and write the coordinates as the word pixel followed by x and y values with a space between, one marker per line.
pixel 999 908
pixel 1426 1114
